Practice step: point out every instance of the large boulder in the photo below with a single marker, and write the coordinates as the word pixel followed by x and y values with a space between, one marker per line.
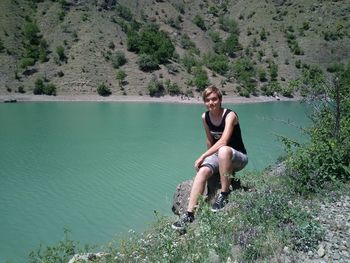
pixel 212 189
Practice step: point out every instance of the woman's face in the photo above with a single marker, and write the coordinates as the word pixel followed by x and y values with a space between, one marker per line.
pixel 212 101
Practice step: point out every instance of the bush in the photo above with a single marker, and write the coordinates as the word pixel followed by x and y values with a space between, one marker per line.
pixel 273 70
pixel 231 45
pixel 121 75
pixel 153 42
pixel 38 87
pixel 326 157
pixel 201 80
pixel 27 62
pixel 189 61
pixel 50 89
pixel 147 63
pixel 103 90
pixel 2 47
pixel 229 25
pixel 60 53
pixel 172 88
pixel 216 62
pixel 245 72
pixel 155 88
pixel 199 21
pixel 118 59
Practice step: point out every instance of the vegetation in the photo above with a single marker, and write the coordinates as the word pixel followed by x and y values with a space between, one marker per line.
pixel 103 90
pixel 155 88
pixel 118 59
pixel 152 43
pixel 325 158
pixel 41 88
pixel 199 21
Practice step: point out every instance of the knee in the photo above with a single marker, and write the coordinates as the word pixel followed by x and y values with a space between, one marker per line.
pixel 203 174
pixel 225 152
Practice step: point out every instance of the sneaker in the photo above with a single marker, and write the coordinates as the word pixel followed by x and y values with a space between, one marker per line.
pixel 220 203
pixel 184 219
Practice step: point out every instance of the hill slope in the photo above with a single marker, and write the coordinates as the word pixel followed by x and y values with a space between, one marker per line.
pixel 283 35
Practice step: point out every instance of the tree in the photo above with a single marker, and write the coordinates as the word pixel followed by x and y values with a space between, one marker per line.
pixel 199 21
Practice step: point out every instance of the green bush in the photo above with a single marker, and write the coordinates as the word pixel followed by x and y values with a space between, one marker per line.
pixel 326 157
pixel 38 87
pixel 273 70
pixel 155 88
pixel 245 72
pixel 147 63
pixel 270 88
pixel 60 53
pixel 201 80
pixel 121 75
pixel 189 61
pixel 199 21
pixel 229 25
pixel 153 42
pixel 103 90
pixel 50 89
pixel 231 45
pixel 216 62
pixel 2 47
pixel 27 62
pixel 172 88
pixel 118 59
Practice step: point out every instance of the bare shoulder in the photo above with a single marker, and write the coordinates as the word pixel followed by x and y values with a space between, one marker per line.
pixel 232 117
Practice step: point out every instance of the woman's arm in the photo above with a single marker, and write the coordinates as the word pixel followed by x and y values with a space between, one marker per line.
pixel 230 122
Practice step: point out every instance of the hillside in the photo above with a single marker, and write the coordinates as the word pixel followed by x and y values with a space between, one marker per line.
pixel 77 44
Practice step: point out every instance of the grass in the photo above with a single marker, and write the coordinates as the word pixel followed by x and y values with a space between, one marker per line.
pixel 257 226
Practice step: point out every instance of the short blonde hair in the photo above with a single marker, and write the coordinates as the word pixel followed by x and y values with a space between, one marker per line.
pixel 211 89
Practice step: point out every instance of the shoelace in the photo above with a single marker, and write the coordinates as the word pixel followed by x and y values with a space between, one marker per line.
pixel 220 199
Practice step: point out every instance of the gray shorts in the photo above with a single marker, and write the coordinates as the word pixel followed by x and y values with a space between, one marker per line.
pixel 239 161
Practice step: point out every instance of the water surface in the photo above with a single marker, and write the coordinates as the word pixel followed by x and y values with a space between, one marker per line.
pixel 100 169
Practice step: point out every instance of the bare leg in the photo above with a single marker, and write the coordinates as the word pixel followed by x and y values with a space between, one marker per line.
pixel 225 167
pixel 198 185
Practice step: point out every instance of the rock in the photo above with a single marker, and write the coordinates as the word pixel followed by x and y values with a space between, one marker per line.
pixel 182 193
pixel 321 252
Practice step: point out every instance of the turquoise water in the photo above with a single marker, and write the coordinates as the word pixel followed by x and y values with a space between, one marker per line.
pixel 101 169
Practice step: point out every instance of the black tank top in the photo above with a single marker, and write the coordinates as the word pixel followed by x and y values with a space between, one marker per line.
pixel 235 141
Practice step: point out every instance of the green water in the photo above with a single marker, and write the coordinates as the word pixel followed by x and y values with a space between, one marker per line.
pixel 101 169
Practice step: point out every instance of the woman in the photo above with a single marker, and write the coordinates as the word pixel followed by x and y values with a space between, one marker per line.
pixel 226 153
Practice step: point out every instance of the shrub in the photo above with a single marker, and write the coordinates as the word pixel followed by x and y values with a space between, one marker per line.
pixel 118 59
pixel 124 12
pixel 153 42
pixel 172 88
pixel 199 21
pixel 27 62
pixel 326 157
pixel 229 25
pixel 263 34
pixel 147 63
pixel 231 45
pixel 121 75
pixel 216 62
pixel 273 70
pixel 189 61
pixel 201 80
pixel 245 72
pixel 60 53
pixel 155 88
pixel 49 89
pixel 261 74
pixel 186 43
pixel 103 90
pixel 38 87
pixel 271 88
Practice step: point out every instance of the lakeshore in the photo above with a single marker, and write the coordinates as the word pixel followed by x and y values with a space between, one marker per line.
pixel 128 98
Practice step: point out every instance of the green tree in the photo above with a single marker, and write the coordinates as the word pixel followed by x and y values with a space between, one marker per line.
pixel 189 61
pixel 147 63
pixel 216 62
pixel 39 87
pixel 155 88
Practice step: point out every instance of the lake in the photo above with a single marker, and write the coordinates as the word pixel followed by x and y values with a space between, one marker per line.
pixel 100 169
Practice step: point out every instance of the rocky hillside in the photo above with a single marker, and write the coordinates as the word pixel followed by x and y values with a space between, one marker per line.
pixel 246 47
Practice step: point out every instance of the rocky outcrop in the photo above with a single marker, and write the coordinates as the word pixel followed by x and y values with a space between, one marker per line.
pixel 182 193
